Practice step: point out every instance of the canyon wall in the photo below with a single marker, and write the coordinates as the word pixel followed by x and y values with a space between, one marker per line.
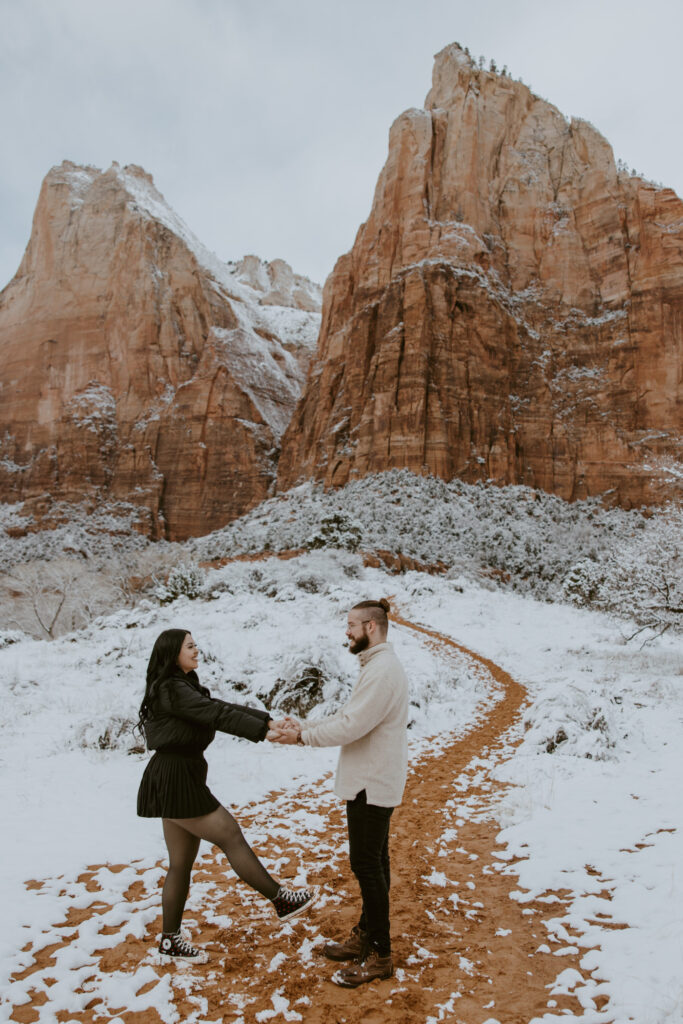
pixel 512 309
pixel 137 368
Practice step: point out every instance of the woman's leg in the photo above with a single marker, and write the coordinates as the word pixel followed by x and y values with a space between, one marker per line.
pixel 182 850
pixel 221 829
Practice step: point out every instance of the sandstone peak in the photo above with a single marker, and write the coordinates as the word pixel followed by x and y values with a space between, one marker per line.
pixel 273 283
pixel 277 284
pixel 80 178
pixel 511 310
pixel 453 68
pixel 137 366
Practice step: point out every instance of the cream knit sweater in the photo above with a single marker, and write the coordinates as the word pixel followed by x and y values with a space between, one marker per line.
pixel 371 729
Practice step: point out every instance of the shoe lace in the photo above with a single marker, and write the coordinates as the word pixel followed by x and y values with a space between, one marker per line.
pixel 184 947
pixel 292 898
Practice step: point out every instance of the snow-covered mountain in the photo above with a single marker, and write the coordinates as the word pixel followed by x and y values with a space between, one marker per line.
pixel 140 372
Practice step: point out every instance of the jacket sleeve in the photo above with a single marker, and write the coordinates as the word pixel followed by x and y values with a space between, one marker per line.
pixel 256 712
pixel 364 710
pixel 181 699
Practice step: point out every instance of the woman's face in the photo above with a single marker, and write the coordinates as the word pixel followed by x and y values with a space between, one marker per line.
pixel 188 659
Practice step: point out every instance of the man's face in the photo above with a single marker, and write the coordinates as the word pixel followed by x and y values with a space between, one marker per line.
pixel 357 631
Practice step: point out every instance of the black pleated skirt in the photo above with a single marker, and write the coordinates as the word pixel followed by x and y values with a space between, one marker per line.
pixel 174 786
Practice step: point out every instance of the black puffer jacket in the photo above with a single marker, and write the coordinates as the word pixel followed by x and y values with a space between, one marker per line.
pixel 182 716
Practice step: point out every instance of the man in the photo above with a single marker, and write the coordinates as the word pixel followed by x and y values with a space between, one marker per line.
pixel 371 775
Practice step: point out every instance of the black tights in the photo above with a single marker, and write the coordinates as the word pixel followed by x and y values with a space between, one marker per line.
pixel 182 837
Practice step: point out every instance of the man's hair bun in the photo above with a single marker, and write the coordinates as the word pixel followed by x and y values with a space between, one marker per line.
pixel 377 610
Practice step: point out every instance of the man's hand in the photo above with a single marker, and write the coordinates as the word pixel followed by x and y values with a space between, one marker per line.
pixel 284 730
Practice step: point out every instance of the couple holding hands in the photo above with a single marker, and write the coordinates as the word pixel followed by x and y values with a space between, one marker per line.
pixel 179 719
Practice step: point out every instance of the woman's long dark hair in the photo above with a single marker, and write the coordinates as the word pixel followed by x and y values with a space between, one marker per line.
pixel 163 662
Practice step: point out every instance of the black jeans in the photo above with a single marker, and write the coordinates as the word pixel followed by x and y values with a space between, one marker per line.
pixel 369 855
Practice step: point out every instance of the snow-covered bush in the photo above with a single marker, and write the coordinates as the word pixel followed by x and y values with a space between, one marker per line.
pixel 644 574
pixel 583 583
pixel 113 733
pixel 11 636
pixel 336 530
pixel 302 687
pixel 304 676
pixel 571 721
pixel 95 534
pixel 515 537
pixel 184 580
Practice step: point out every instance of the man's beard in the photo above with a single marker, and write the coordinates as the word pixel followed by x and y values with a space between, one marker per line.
pixel 356 646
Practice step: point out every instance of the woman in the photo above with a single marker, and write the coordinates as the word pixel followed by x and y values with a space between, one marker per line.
pixel 179 719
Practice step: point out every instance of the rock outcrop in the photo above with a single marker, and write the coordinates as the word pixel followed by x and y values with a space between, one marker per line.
pixel 138 368
pixel 512 310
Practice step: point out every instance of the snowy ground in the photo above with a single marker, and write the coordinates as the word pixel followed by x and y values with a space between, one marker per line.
pixel 600 815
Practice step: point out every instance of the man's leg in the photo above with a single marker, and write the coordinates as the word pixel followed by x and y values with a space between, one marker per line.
pixel 386 868
pixel 369 854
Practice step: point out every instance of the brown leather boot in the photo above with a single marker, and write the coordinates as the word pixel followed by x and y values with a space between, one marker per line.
pixel 373 966
pixel 349 949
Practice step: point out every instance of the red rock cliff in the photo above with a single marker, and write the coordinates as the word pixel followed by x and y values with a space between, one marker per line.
pixel 136 367
pixel 511 310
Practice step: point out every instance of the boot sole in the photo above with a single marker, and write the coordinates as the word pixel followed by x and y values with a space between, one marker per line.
pixel 343 982
pixel 164 959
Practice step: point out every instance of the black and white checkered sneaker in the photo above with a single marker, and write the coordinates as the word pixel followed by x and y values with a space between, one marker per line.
pixel 175 947
pixel 290 902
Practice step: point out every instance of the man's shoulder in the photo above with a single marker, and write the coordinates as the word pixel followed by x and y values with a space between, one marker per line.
pixel 383 659
pixel 387 650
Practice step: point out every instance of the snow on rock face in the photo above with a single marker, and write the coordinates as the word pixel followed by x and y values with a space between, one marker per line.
pixel 118 383
pixel 278 283
pixel 273 283
pixel 268 375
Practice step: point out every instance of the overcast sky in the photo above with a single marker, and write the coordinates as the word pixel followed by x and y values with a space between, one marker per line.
pixel 265 124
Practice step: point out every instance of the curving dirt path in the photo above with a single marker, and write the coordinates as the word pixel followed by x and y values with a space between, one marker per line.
pixel 465 950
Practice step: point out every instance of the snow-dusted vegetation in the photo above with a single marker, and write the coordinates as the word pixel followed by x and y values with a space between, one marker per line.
pixel 628 563
pixel 253 651
pixel 76 529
